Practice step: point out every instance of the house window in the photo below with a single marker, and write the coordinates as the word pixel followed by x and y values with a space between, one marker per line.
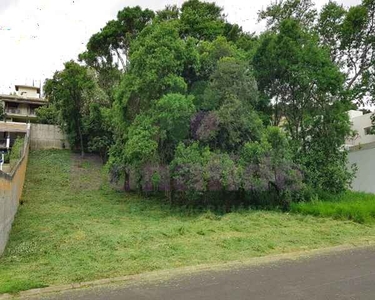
pixel 370 130
pixel 12 104
pixel 32 109
pixel 12 108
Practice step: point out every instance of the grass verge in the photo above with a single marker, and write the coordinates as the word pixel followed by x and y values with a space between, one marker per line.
pixel 358 207
pixel 73 228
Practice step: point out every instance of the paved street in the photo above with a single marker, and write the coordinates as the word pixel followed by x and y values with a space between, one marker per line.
pixel 343 275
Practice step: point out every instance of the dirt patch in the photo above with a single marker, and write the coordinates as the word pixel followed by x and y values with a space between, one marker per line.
pixel 86 172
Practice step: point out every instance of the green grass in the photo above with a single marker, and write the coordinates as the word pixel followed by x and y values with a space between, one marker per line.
pixel 72 227
pixel 359 207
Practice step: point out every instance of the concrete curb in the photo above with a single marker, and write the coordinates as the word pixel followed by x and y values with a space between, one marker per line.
pixel 167 274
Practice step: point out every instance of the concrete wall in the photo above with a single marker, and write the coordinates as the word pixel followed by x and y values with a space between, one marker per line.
pixel 365 160
pixel 47 137
pixel 11 186
pixel 13 127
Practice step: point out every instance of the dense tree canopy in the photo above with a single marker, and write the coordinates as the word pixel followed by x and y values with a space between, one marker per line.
pixel 185 102
pixel 189 104
pixel 302 11
pixel 47 115
pixel 350 36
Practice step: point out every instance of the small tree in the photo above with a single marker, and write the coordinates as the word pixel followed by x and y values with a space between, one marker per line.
pixel 298 73
pixel 67 90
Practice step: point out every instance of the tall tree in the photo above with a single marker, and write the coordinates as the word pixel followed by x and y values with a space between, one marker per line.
pixel 113 41
pixel 350 36
pixel 329 28
pixel 188 104
pixel 66 90
pixel 201 20
pixel 302 11
pixel 297 72
pixel 108 50
pixel 358 46
pixel 158 60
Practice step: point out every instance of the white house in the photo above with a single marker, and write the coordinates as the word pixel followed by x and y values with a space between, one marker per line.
pixel 362 125
pixel 21 106
pixel 362 152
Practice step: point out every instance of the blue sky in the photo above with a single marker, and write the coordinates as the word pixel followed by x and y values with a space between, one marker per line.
pixel 38 36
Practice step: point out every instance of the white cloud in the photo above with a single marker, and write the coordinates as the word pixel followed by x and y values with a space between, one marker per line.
pixel 38 36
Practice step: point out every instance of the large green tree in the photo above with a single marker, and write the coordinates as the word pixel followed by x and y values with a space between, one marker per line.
pixel 350 36
pixel 188 104
pixel 201 20
pixel 113 40
pixel 306 87
pixel 108 50
pixel 67 90
pixel 158 61
pixel 183 96
pixel 302 11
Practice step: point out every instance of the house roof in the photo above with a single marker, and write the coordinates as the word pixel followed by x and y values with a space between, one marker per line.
pixel 23 99
pixel 17 86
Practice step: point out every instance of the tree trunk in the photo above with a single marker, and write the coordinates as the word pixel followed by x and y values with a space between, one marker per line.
pixel 81 141
pixel 127 182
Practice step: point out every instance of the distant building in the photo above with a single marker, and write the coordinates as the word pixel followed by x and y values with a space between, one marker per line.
pixel 362 125
pixel 362 152
pixel 21 106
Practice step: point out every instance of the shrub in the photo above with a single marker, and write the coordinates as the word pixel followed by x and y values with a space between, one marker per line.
pixel 16 152
pixel 47 115
pixel 358 207
pixel 2 114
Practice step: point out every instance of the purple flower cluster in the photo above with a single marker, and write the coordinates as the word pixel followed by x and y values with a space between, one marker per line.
pixel 217 174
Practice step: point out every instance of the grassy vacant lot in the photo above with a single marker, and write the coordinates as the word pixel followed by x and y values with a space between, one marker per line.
pixel 73 228
pixel 359 207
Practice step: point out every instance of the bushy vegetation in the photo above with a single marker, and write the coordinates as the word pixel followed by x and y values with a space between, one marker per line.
pixel 47 115
pixel 16 151
pixel 2 114
pixel 358 207
pixel 80 107
pixel 183 102
pixel 72 227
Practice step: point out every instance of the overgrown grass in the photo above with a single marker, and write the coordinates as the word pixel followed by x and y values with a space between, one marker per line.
pixel 73 228
pixel 359 207
pixel 16 152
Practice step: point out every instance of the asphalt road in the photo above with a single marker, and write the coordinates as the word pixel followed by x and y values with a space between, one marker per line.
pixel 342 275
